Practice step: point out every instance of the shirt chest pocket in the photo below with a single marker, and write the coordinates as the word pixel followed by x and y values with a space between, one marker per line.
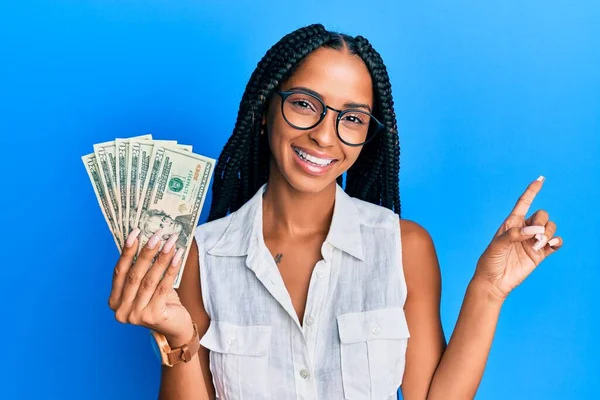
pixel 239 360
pixel 373 349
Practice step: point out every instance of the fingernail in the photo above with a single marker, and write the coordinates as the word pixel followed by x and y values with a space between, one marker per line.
pixel 132 236
pixel 170 243
pixel 177 256
pixel 154 239
pixel 532 230
pixel 541 178
pixel 553 241
pixel 538 236
pixel 540 243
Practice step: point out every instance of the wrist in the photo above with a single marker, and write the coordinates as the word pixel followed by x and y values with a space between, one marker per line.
pixel 181 338
pixel 486 289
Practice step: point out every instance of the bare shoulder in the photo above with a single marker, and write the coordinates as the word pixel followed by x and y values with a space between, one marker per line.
pixel 189 290
pixel 190 294
pixel 413 229
pixel 419 258
pixel 416 240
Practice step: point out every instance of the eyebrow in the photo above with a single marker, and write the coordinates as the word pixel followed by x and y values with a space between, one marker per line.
pixel 346 105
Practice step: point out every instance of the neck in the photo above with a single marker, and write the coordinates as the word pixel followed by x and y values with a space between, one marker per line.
pixel 290 213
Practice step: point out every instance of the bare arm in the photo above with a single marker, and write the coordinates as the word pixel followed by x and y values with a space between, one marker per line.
pixel 460 371
pixel 434 370
pixel 427 343
pixel 511 256
pixel 189 380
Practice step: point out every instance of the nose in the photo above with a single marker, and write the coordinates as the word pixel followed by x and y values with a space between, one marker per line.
pixel 324 134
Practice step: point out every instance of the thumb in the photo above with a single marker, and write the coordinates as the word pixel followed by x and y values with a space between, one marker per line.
pixel 517 234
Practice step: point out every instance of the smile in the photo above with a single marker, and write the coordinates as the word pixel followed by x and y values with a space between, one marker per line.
pixel 321 162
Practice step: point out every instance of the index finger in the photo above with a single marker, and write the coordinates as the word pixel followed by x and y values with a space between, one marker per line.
pixel 527 197
pixel 122 268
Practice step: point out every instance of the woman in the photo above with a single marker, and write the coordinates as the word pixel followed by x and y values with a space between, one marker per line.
pixel 298 289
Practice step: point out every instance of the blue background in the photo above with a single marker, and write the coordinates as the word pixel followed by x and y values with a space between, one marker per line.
pixel 489 95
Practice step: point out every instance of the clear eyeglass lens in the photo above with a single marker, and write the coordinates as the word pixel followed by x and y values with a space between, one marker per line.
pixel 302 110
pixel 354 126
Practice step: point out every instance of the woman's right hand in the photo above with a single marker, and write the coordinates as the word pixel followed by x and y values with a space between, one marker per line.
pixel 141 295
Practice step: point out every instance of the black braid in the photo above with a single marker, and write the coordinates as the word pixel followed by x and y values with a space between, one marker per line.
pixel 243 165
pixel 379 166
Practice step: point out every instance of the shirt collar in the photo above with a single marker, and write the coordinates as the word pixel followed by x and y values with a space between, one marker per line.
pixel 242 234
pixel 242 228
pixel 345 230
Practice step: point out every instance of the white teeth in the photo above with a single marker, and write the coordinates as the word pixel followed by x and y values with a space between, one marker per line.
pixel 315 160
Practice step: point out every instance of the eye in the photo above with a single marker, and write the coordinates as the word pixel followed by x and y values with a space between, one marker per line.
pixel 354 119
pixel 303 104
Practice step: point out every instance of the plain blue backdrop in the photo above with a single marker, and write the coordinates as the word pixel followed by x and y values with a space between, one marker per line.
pixel 489 95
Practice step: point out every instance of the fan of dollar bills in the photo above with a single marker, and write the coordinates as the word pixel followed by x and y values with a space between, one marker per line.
pixel 149 184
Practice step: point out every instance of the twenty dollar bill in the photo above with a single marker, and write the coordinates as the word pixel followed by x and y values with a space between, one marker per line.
pixel 173 196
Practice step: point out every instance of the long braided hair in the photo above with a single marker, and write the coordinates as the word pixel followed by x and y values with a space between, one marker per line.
pixel 243 165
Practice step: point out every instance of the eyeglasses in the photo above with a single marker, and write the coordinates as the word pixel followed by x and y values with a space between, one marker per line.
pixel 304 111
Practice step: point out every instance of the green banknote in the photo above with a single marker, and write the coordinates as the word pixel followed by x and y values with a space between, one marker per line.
pixel 150 184
pixel 173 196
pixel 93 170
pixel 140 152
pixel 105 156
pixel 122 179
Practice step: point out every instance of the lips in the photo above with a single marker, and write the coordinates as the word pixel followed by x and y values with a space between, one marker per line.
pixel 311 163
pixel 313 158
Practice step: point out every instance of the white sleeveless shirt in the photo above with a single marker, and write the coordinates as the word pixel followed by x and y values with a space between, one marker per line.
pixel 352 342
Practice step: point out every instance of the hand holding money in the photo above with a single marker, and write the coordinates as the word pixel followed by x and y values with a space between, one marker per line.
pixel 142 292
pixel 152 185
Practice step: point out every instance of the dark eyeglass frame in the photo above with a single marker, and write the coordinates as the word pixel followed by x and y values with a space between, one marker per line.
pixel 285 94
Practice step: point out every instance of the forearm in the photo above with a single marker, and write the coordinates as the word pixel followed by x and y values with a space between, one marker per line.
pixel 461 368
pixel 183 381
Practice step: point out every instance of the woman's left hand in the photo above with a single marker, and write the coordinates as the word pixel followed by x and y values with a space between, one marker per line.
pixel 515 250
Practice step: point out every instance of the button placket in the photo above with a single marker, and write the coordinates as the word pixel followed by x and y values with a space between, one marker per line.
pixel 302 367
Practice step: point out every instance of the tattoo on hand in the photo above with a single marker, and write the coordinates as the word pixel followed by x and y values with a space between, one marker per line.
pixel 278 258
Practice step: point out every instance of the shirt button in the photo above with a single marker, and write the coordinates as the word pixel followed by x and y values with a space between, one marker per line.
pixel 304 374
pixel 320 274
pixel 375 329
pixel 310 321
pixel 231 341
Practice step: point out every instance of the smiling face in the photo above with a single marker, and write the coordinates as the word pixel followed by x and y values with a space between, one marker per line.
pixel 310 160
